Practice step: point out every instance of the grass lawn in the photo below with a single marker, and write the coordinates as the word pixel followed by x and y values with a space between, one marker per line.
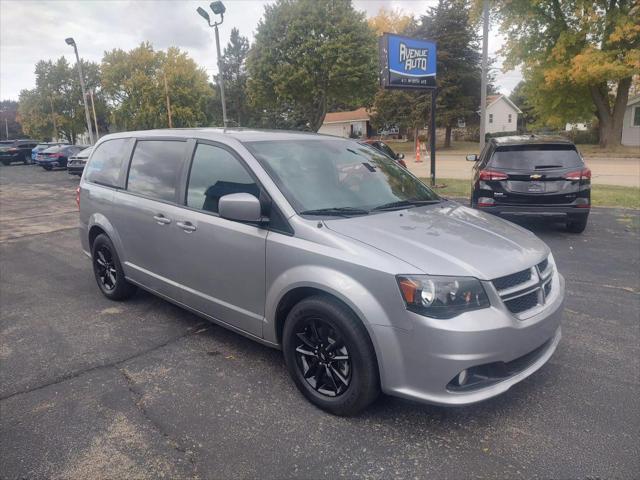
pixel 601 195
pixel 614 152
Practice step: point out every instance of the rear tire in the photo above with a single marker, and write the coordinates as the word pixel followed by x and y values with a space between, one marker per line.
pixel 108 270
pixel 577 223
pixel 338 371
pixel 48 168
pixel 6 162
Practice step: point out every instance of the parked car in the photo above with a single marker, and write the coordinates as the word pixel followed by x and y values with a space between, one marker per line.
pixel 387 150
pixel 43 146
pixel 76 163
pixel 16 151
pixel 533 175
pixel 326 249
pixel 57 156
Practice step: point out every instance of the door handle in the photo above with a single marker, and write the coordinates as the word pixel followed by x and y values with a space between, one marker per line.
pixel 187 226
pixel 161 219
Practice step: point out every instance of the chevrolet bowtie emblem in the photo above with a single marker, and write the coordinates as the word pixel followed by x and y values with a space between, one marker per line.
pixel 536 176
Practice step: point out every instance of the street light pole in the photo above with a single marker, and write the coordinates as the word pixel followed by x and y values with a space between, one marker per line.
pixel 71 41
pixel 483 81
pixel 95 119
pixel 218 9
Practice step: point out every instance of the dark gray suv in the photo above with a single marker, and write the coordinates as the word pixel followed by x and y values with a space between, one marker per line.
pixel 329 250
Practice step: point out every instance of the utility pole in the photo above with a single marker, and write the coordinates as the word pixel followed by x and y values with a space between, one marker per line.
pixel 71 41
pixel 6 127
pixel 218 8
pixel 483 87
pixel 95 119
pixel 166 92
pixel 54 137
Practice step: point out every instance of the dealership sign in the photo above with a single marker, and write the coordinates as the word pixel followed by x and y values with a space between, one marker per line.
pixel 407 62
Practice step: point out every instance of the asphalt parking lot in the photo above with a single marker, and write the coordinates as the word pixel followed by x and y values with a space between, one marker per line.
pixel 97 389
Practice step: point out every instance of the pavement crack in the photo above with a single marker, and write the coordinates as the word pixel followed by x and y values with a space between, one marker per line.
pixel 138 401
pixel 71 375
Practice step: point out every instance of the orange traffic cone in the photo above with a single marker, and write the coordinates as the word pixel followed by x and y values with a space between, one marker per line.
pixel 418 160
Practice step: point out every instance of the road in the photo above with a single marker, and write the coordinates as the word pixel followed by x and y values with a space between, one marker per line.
pixel 96 389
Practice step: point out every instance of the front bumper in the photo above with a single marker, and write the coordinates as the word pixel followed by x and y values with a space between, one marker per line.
pixel 420 364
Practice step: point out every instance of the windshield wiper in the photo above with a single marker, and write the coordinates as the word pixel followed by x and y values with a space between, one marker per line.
pixel 405 203
pixel 336 211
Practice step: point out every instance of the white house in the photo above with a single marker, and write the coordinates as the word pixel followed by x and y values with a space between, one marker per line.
pixel 502 114
pixel 346 124
pixel 631 123
pixel 580 126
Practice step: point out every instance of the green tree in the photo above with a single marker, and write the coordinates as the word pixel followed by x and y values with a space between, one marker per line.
pixel 134 86
pixel 308 55
pixel 578 55
pixel 9 120
pixel 235 77
pixel 57 99
pixel 520 96
pixel 458 62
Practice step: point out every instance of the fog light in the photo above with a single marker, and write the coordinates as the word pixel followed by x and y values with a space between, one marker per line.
pixel 462 377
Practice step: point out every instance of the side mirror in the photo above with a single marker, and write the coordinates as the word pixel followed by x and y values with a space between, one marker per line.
pixel 400 156
pixel 472 157
pixel 242 207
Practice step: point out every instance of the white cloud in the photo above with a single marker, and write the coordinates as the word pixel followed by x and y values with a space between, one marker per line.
pixel 33 30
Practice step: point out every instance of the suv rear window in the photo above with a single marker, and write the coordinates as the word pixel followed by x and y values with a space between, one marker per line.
pixel 104 167
pixel 155 167
pixel 535 157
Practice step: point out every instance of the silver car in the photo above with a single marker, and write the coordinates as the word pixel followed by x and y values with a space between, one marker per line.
pixel 329 250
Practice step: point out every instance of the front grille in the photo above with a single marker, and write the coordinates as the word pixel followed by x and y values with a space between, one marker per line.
pixel 526 289
pixel 512 280
pixel 523 303
pixel 542 266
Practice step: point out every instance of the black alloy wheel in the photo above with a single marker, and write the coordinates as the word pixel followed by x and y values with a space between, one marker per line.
pixel 330 356
pixel 106 270
pixel 323 358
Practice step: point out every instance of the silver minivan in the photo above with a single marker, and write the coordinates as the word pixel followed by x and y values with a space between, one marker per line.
pixel 329 250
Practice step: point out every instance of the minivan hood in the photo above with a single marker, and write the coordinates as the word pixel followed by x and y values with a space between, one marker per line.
pixel 447 239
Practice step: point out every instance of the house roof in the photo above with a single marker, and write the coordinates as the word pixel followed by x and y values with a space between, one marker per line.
pixel 491 99
pixel 360 114
pixel 633 100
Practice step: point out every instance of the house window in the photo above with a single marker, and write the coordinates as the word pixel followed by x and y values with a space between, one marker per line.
pixel 636 117
pixel 509 118
pixel 491 118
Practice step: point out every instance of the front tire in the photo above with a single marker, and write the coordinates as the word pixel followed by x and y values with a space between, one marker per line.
pixel 108 270
pixel 329 356
pixel 577 223
pixel 48 168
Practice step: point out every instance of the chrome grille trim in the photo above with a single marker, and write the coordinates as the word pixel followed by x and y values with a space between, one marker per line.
pixel 540 278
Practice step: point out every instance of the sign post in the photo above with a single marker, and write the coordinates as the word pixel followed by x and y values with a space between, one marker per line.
pixel 410 63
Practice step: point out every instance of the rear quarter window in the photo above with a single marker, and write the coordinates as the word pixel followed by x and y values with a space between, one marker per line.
pixel 155 168
pixel 106 162
pixel 535 157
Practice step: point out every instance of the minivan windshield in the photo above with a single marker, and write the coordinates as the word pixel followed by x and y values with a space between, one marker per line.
pixel 338 177
pixel 535 157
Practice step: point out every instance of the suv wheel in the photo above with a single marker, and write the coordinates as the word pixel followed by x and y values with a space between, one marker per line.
pixel 108 271
pixel 577 223
pixel 330 356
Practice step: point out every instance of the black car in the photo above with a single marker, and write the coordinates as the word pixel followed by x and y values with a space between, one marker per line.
pixel 386 149
pixel 532 175
pixel 57 156
pixel 16 151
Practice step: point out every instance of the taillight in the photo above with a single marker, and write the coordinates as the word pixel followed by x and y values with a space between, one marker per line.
pixel 578 175
pixel 492 175
pixel 78 197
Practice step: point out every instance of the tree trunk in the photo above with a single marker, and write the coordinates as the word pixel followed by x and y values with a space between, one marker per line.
pixel 319 114
pixel 610 122
pixel 447 136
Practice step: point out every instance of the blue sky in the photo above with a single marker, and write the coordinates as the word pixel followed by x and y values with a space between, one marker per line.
pixel 33 30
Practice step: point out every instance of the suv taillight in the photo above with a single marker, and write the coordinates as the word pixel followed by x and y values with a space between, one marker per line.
pixel 78 197
pixel 492 175
pixel 579 175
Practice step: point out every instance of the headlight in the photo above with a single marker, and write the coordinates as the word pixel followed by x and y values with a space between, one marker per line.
pixel 442 297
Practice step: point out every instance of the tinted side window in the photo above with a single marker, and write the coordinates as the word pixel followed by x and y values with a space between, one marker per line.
pixel 216 172
pixel 104 167
pixel 155 167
